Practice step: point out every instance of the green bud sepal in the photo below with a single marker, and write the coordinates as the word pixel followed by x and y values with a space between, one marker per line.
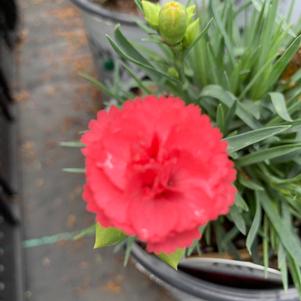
pixel 151 13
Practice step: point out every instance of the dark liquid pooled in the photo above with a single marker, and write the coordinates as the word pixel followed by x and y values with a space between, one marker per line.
pixel 232 280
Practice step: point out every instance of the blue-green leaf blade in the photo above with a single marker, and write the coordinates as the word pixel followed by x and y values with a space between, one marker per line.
pixel 268 154
pixel 288 238
pixel 243 140
pixel 279 104
pixel 254 227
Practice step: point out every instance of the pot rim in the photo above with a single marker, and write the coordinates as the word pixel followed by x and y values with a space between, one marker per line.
pixel 204 289
pixel 99 11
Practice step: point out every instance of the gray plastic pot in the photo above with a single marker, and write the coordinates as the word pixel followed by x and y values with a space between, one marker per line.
pixel 185 287
pixel 100 22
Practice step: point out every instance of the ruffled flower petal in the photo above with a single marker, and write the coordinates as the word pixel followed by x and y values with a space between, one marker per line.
pixel 157 169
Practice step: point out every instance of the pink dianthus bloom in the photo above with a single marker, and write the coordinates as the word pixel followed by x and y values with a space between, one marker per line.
pixel 158 170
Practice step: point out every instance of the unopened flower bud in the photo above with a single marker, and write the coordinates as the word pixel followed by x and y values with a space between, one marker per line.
pixel 172 72
pixel 172 22
pixel 151 13
pixel 192 32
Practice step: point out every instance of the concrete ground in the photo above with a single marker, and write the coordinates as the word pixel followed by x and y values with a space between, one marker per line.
pixel 55 105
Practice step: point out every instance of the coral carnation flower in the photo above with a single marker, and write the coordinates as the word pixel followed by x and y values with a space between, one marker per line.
pixel 157 170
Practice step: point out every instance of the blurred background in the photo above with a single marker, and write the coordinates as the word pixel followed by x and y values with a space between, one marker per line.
pixel 44 101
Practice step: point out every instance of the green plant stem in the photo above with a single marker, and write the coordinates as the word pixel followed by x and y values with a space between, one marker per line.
pixel 179 65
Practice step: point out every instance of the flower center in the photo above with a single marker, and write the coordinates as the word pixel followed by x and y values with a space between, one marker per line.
pixel 155 173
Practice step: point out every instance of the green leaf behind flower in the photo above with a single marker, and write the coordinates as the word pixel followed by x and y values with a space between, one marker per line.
pixel 255 226
pixel 236 216
pixel 289 239
pixel 241 203
pixel 107 236
pixel 173 259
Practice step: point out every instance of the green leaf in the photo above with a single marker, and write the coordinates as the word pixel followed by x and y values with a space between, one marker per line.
pixel 287 237
pixel 268 154
pixel 97 84
pixel 188 3
pixel 74 170
pixel 219 234
pixel 285 59
pixel 243 140
pixel 279 104
pixel 236 217
pixel 138 81
pixel 107 236
pixel 229 99
pixel 72 144
pixel 129 245
pixel 297 178
pixel 293 105
pixel 295 272
pixel 195 247
pixel 141 23
pixel 218 20
pixel 128 48
pixel 255 79
pixel 85 232
pixel 265 245
pixel 173 259
pixel 286 26
pixel 230 114
pixel 282 265
pixel 127 51
pixel 251 184
pixel 220 117
pixel 255 226
pixel 139 5
pixel 240 202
